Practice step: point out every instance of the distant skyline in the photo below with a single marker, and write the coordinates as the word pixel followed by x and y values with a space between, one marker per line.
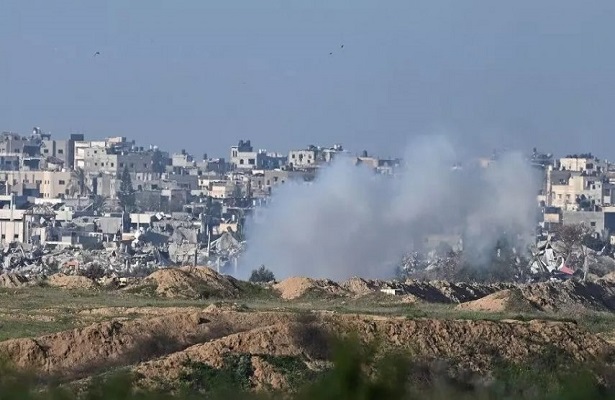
pixel 202 75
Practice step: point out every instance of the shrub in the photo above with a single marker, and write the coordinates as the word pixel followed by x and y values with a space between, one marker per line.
pixel 262 274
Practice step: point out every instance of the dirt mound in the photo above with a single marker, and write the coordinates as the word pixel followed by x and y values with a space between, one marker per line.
pixel 161 349
pixel 71 282
pixel 296 287
pixel 11 281
pixel 567 296
pixel 502 301
pixel 472 345
pixel 78 352
pixel 188 282
pixel 217 282
pixel 360 286
pixel 571 295
pixel 448 292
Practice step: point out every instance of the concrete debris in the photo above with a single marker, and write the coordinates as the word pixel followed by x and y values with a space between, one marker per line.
pixel 125 260
pixel 136 254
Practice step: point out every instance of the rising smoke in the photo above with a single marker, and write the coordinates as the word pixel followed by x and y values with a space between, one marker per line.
pixel 351 222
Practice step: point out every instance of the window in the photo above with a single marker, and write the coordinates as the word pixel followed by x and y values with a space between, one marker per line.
pixel 132 165
pixel 268 182
pixel 234 153
pixel 293 156
pixel 16 236
pixel 95 151
pixel 60 151
pixel 275 178
pixel 112 164
pixel 121 165
pixel 251 161
pixel 241 161
pixel 593 223
pixel 96 164
pixel 3 236
pixel 46 151
pixel 61 182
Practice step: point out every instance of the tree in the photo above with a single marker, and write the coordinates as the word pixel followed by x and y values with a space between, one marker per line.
pixel 81 181
pixel 262 275
pixel 126 194
pixel 98 203
pixel 573 238
pixel 159 161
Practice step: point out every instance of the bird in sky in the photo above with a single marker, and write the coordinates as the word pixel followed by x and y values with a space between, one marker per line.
pixel 342 46
pixel 97 53
pixel 331 53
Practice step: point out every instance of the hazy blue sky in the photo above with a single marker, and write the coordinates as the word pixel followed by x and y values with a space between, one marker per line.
pixel 201 74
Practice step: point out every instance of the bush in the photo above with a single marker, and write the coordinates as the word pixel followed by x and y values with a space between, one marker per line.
pixel 94 272
pixel 262 275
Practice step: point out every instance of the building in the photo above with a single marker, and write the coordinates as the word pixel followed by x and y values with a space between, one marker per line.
pixel 50 184
pixel 243 156
pixel 61 149
pixel 595 219
pixel 99 160
pixel 303 158
pixel 313 156
pixel 182 160
pixel 574 190
pixel 80 151
pixel 586 163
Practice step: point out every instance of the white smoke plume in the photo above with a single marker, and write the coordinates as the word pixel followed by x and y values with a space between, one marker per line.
pixel 351 222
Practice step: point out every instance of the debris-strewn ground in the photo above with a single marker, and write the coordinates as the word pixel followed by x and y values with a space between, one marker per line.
pixel 176 324
pixel 12 281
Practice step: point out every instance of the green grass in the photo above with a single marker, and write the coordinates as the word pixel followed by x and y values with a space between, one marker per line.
pixel 15 328
pixel 22 306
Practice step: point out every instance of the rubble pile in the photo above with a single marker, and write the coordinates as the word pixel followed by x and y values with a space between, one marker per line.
pixel 10 281
pixel 125 261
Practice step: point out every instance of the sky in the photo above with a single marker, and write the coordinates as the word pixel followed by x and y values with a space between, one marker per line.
pixel 200 75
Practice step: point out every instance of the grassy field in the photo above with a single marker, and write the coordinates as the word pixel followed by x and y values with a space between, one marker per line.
pixel 36 311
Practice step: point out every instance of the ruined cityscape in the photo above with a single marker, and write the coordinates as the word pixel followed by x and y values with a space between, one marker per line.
pixel 177 265
pixel 307 200
pixel 74 206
